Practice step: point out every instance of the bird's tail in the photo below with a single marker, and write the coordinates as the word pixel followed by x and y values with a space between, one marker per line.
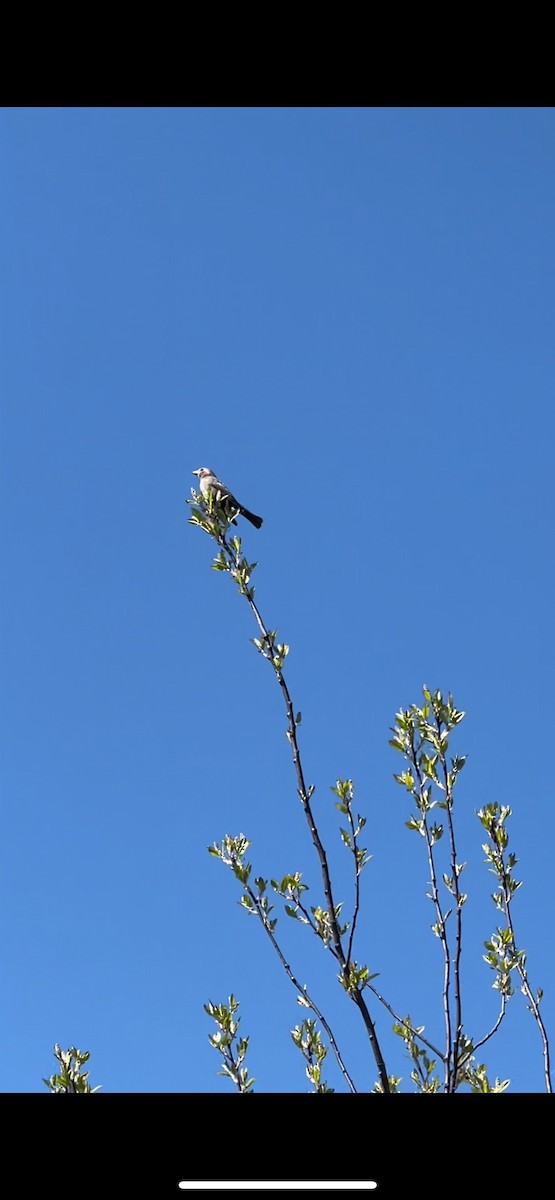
pixel 252 517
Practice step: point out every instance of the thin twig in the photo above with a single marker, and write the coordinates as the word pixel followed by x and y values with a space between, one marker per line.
pixel 476 1045
pixel 357 883
pixel 301 988
pixel 402 1021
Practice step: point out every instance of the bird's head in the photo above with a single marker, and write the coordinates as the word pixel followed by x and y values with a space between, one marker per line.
pixel 202 471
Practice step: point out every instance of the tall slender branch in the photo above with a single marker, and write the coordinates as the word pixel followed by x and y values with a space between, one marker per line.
pixel 493 819
pixel 216 525
pixel 441 918
pixel 304 796
pixel 441 719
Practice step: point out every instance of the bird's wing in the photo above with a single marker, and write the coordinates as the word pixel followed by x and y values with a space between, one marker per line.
pixel 223 493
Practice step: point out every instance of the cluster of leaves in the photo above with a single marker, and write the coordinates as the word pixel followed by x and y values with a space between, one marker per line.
pixel 70 1078
pixel 226 1041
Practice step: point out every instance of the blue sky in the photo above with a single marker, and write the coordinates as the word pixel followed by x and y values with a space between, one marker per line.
pixel 348 313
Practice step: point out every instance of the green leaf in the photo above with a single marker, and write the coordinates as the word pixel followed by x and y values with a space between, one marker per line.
pixel 406 779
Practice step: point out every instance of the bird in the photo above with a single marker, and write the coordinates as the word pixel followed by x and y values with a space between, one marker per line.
pixel 211 485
